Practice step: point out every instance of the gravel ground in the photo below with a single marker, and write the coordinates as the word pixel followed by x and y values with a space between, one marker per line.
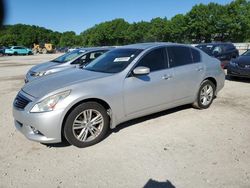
pixel 181 147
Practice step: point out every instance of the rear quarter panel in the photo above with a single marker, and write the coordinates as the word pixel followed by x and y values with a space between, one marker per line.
pixel 214 70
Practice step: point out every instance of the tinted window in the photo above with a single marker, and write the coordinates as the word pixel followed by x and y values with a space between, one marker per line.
pixel 196 55
pixel 95 55
pixel 218 49
pixel 179 55
pixel 88 57
pixel 230 47
pixel 155 60
pixel 68 56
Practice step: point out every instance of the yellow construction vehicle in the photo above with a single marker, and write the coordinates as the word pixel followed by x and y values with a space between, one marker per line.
pixel 42 48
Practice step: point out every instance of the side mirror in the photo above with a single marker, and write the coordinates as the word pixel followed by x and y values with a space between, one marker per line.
pixel 141 71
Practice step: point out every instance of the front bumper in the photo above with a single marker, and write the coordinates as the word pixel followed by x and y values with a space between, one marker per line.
pixel 238 71
pixel 41 127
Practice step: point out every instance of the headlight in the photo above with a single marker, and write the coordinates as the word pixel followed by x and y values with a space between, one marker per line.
pixel 42 73
pixel 49 103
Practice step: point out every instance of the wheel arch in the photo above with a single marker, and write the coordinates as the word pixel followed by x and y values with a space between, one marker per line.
pixel 213 80
pixel 99 101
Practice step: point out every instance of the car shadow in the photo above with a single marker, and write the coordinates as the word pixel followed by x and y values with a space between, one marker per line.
pixel 62 144
pixel 127 124
pixel 155 184
pixel 145 118
pixel 237 79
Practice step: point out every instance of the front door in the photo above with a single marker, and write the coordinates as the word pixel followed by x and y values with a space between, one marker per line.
pixel 145 93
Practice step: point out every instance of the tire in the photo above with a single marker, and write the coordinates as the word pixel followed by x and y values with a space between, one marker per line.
pixel 44 51
pixel 35 51
pixel 29 53
pixel 78 130
pixel 15 53
pixel 208 97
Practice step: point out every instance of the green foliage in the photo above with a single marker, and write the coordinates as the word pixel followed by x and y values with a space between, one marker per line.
pixel 203 23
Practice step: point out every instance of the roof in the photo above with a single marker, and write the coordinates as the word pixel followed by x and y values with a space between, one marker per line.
pixel 94 48
pixel 144 46
pixel 214 43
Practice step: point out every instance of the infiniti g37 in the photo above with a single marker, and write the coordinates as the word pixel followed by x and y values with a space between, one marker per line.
pixel 80 105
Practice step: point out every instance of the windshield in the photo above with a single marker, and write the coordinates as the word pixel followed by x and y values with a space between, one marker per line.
pixel 114 61
pixel 247 53
pixel 68 56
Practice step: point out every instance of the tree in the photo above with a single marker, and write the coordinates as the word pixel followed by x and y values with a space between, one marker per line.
pixel 178 29
pixel 137 32
pixel 159 30
pixel 68 39
pixel 203 23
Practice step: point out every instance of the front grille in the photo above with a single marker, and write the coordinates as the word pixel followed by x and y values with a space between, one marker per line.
pixel 21 101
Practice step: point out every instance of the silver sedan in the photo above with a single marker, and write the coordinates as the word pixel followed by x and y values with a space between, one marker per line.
pixel 80 105
pixel 66 61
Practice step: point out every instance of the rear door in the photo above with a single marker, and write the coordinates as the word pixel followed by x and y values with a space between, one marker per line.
pixel 188 71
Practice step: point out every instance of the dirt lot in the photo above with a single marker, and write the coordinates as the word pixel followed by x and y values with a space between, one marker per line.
pixel 182 147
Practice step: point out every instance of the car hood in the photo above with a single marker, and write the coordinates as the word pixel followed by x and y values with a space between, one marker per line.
pixel 44 66
pixel 47 84
pixel 243 60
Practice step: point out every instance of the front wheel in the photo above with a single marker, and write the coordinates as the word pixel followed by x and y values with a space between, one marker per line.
pixel 86 125
pixel 205 95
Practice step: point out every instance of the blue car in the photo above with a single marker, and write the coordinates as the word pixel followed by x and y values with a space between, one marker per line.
pixel 18 50
pixel 240 67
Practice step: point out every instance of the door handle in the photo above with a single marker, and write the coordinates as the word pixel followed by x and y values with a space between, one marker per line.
pixel 167 77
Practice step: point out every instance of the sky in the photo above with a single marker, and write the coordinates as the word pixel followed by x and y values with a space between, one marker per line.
pixel 79 15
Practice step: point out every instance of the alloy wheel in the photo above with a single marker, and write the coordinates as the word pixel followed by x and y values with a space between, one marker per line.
pixel 88 125
pixel 206 95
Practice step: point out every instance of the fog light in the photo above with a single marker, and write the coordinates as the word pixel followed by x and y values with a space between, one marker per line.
pixel 35 130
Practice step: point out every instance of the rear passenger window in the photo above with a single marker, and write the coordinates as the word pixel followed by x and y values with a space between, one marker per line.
pixel 196 55
pixel 155 60
pixel 179 55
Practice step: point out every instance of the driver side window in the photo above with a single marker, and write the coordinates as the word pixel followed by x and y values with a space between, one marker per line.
pixel 154 60
pixel 80 60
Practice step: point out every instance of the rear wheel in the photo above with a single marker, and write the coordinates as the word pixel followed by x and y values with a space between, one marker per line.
pixel 205 95
pixel 86 125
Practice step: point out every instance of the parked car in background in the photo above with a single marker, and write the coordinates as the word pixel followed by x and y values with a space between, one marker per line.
pixel 240 67
pixel 72 49
pixel 222 51
pixel 62 50
pixel 69 60
pixel 18 50
pixel 80 105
